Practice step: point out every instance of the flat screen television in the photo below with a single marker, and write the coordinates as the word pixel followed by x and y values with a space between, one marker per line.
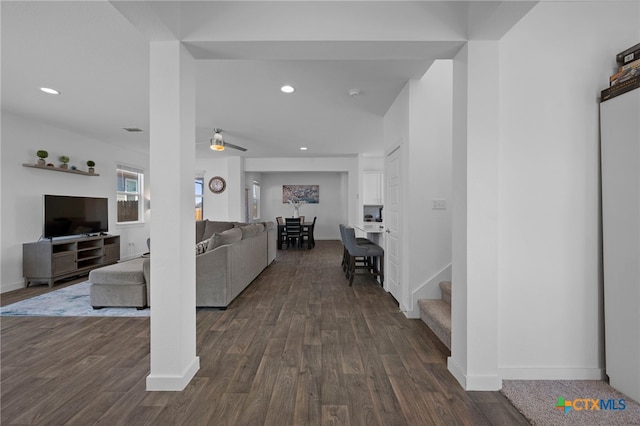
pixel 69 215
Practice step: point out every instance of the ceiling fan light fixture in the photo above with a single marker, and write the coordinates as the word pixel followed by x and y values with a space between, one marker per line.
pixel 217 144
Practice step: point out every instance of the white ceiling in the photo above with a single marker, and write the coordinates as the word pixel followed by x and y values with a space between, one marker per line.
pixel 97 55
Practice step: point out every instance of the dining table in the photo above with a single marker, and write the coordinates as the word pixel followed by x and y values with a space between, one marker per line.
pixel 304 227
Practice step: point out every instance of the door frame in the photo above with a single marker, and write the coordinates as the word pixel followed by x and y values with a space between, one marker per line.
pixel 396 149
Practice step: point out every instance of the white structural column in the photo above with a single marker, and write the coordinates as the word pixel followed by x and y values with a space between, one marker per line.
pixel 474 352
pixel 172 162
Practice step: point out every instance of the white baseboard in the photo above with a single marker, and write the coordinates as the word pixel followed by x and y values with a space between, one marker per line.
pixel 173 383
pixel 456 371
pixel 552 373
pixel 473 383
pixel 429 290
pixel 11 287
pixel 125 258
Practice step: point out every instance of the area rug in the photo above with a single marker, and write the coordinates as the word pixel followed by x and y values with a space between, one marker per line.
pixel 571 402
pixel 71 301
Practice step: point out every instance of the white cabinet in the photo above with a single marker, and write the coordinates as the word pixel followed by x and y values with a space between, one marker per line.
pixel 372 188
pixel 620 152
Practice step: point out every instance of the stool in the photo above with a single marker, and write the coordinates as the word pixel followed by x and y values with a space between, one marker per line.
pixel 368 255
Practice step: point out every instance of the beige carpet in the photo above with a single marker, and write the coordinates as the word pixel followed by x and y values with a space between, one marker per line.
pixel 537 400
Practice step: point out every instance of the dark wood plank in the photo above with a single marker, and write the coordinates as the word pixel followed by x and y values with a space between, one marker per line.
pixel 298 346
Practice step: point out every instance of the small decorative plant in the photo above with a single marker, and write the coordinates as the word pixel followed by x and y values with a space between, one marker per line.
pixel 91 164
pixel 64 160
pixel 42 154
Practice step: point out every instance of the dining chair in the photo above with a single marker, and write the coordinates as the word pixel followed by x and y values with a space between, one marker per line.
pixel 282 232
pixel 306 234
pixel 293 228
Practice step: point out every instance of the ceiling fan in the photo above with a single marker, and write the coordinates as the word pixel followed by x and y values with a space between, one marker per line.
pixel 217 143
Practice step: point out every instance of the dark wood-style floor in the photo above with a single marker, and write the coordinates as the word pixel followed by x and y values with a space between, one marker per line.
pixel 298 347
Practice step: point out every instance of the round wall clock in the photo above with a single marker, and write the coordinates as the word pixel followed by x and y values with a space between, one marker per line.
pixel 217 184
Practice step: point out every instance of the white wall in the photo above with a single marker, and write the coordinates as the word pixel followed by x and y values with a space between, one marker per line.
pixel 429 171
pixel 421 120
pixel 396 135
pixel 550 286
pixel 217 206
pixel 330 211
pixel 346 167
pixel 23 188
pixel 474 321
pixel 337 177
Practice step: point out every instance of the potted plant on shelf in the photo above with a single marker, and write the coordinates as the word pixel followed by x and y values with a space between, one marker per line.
pixel 64 159
pixel 42 154
pixel 91 165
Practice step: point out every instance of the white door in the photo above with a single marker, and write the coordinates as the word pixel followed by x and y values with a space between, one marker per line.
pixel 392 220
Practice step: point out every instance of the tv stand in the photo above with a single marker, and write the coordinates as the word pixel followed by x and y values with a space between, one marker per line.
pixel 49 261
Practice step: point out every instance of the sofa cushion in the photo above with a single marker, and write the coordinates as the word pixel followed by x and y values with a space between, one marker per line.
pixel 200 226
pixel 122 273
pixel 229 236
pixel 249 231
pixel 269 225
pixel 213 227
pixel 201 247
pixel 259 227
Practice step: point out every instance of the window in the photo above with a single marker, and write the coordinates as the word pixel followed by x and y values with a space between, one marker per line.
pixel 199 197
pixel 129 194
pixel 255 202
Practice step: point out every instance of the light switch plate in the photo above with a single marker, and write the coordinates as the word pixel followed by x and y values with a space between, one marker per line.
pixel 438 204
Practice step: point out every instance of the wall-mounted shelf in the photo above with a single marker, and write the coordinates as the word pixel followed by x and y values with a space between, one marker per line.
pixel 59 169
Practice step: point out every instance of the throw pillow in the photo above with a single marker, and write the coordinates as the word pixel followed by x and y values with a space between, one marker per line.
pixel 201 247
pixel 227 237
pixel 213 226
pixel 200 227
pixel 249 231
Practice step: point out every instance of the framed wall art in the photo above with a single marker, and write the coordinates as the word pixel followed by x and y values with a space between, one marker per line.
pixel 309 194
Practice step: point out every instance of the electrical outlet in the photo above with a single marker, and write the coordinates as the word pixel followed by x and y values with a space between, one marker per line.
pixel 438 204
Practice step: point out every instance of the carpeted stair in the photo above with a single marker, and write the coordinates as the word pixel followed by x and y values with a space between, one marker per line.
pixel 436 313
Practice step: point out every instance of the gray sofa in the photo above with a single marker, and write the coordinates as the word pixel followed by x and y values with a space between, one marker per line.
pixel 235 255
pixel 229 256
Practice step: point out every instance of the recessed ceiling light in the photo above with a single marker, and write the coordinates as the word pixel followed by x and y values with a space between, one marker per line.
pixel 303 148
pixel 50 91
pixel 287 89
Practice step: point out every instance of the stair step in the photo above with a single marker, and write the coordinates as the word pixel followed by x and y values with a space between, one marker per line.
pixel 445 289
pixel 437 315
